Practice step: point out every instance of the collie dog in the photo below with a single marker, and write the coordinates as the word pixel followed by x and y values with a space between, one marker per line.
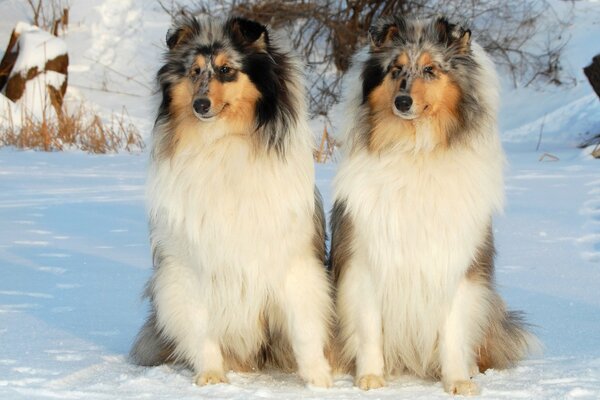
pixel 412 250
pixel 236 223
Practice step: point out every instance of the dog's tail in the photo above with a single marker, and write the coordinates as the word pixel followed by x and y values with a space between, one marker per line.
pixel 507 340
pixel 150 348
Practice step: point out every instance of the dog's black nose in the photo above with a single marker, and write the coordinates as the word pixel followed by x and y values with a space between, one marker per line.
pixel 202 105
pixel 403 103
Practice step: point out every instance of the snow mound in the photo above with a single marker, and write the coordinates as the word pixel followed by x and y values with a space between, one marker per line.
pixel 566 124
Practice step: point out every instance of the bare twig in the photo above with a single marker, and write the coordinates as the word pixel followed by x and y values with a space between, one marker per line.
pixel 50 15
pixel 105 90
pixel 548 157
pixel 35 9
pixel 537 148
pixel 129 78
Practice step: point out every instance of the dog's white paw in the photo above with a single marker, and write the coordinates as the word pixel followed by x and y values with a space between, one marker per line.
pixel 462 388
pixel 210 378
pixel 319 376
pixel 370 381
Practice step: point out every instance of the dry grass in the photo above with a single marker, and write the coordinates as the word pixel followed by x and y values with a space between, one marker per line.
pixel 50 15
pixel 82 129
pixel 326 148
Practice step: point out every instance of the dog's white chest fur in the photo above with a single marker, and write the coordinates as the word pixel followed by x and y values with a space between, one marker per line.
pixel 418 220
pixel 238 220
pixel 224 194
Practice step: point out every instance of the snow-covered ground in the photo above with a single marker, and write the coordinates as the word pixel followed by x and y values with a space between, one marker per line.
pixel 74 256
pixel 74 252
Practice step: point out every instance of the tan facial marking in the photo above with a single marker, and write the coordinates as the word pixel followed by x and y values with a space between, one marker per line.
pixel 386 126
pixel 238 101
pixel 182 95
pixel 425 60
pixel 402 60
pixel 437 99
pixel 433 99
pixel 200 62
pixel 184 120
pixel 234 102
pixel 220 60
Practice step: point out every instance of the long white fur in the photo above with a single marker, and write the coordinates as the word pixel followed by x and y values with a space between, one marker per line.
pixel 235 229
pixel 419 217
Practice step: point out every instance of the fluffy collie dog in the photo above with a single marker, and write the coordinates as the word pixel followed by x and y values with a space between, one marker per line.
pixel 236 223
pixel 412 251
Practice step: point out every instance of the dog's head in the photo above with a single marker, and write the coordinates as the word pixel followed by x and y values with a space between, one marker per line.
pixel 416 71
pixel 212 80
pixel 226 72
pixel 413 65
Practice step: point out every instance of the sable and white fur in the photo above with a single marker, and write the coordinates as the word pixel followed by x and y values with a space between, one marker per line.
pixel 412 245
pixel 237 228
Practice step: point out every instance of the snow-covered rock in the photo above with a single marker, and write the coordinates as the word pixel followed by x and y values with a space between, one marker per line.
pixel 38 78
pixel 36 48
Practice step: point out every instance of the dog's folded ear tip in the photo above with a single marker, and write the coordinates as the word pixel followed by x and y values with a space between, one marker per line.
pixel 248 32
pixel 380 35
pixel 183 28
pixel 171 38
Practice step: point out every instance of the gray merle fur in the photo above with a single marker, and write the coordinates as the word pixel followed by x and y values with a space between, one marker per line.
pixel 269 68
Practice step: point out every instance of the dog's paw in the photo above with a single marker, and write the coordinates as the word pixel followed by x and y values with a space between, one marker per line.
pixel 368 382
pixel 210 378
pixel 318 376
pixel 462 388
pixel 322 381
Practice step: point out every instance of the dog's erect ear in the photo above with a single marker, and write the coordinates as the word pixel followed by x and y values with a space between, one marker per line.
pixel 248 33
pixel 452 35
pixel 385 30
pixel 182 30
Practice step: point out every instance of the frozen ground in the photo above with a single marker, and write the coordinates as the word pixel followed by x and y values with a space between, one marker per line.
pixel 74 252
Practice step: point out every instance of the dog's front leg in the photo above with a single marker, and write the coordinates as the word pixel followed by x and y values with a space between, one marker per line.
pixel 461 334
pixel 369 356
pixel 183 318
pixel 307 307
pixel 211 370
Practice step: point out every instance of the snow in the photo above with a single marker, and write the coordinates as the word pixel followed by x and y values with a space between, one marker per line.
pixel 10 112
pixel 74 253
pixel 75 257
pixel 568 123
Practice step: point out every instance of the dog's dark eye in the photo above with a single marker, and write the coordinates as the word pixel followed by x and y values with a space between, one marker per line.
pixel 396 71
pixel 196 71
pixel 224 70
pixel 428 70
